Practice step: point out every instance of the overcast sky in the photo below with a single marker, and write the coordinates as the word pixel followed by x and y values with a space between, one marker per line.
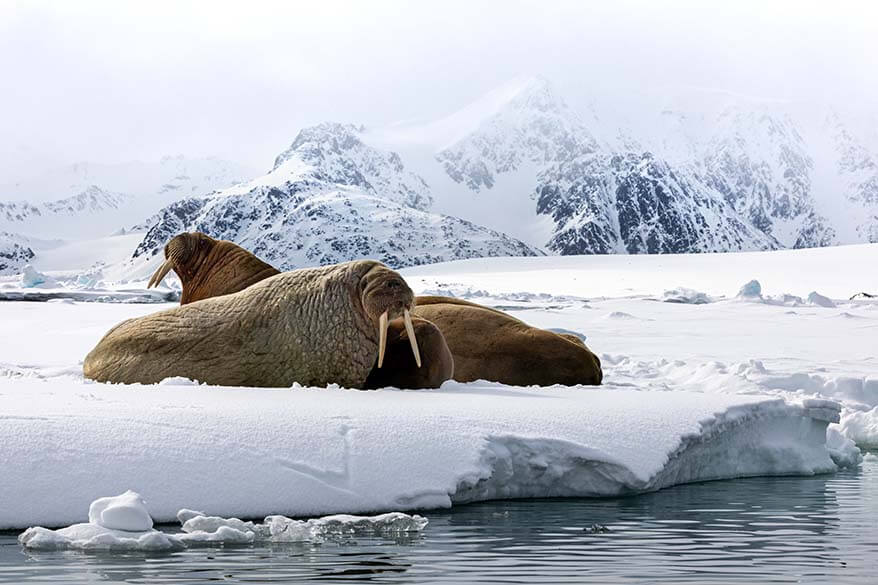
pixel 116 81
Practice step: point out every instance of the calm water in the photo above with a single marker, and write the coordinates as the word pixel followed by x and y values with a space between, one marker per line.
pixel 816 530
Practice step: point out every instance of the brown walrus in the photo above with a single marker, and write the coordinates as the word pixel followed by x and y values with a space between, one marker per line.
pixel 314 326
pixel 488 344
pixel 491 345
pixel 209 268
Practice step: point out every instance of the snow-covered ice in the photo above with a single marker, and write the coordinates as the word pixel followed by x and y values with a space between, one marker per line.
pixel 693 391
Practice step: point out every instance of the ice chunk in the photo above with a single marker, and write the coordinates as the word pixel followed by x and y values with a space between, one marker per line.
pixel 123 512
pixel 90 536
pixel 844 451
pixel 283 529
pixel 199 529
pixel 816 298
pixel 115 523
pixel 214 523
pixel 685 295
pixel 862 428
pixel 32 278
pixel 186 514
pixel 751 290
pixel 223 534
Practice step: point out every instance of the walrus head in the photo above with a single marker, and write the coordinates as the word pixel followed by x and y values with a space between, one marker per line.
pixel 208 267
pixel 184 254
pixel 386 296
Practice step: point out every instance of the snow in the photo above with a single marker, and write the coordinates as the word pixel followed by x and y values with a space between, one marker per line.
pixel 693 391
pixel 301 452
pixel 124 512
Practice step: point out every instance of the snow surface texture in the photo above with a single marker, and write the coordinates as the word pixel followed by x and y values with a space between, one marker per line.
pixel 123 523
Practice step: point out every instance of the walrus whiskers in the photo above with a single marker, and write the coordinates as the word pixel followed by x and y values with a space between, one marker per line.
pixel 160 274
pixel 382 337
pixel 407 317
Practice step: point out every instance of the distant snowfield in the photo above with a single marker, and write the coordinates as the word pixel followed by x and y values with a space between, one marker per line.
pixel 728 388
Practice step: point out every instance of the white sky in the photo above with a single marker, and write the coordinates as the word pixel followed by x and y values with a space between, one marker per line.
pixel 115 81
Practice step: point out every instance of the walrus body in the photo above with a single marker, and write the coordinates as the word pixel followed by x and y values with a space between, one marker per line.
pixel 313 326
pixel 488 344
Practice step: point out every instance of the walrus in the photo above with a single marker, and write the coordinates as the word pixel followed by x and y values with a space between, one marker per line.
pixel 488 344
pixel 313 326
pixel 210 268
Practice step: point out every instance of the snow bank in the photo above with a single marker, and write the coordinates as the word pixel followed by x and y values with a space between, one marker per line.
pixel 129 509
pixel 254 452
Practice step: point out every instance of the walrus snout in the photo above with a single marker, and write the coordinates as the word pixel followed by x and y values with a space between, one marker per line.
pixel 183 254
pixel 386 296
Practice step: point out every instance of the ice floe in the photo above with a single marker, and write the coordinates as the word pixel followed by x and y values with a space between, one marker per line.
pixel 249 453
pixel 103 533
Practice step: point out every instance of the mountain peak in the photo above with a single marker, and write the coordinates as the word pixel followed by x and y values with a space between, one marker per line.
pixel 535 93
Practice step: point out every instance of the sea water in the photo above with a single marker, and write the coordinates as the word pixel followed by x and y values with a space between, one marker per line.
pixel 821 529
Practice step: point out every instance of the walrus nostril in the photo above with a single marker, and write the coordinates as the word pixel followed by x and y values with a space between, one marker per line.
pixel 394 283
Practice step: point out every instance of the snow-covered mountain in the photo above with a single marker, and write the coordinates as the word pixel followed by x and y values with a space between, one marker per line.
pixel 717 173
pixel 85 198
pixel 533 157
pixel 92 200
pixel 855 177
pixel 331 198
pixel 519 171
pixel 15 253
pixel 516 172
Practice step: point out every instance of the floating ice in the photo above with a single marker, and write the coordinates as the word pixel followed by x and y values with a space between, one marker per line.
pixel 128 510
pixel 124 512
pixel 862 428
pixel 114 523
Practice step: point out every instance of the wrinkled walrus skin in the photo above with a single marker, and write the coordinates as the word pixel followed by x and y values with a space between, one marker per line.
pixel 208 268
pixel 313 326
pixel 488 344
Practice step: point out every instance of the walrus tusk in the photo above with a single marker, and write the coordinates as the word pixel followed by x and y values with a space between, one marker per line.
pixel 160 274
pixel 407 317
pixel 382 337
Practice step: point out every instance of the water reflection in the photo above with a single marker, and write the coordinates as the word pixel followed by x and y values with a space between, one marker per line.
pixel 815 529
